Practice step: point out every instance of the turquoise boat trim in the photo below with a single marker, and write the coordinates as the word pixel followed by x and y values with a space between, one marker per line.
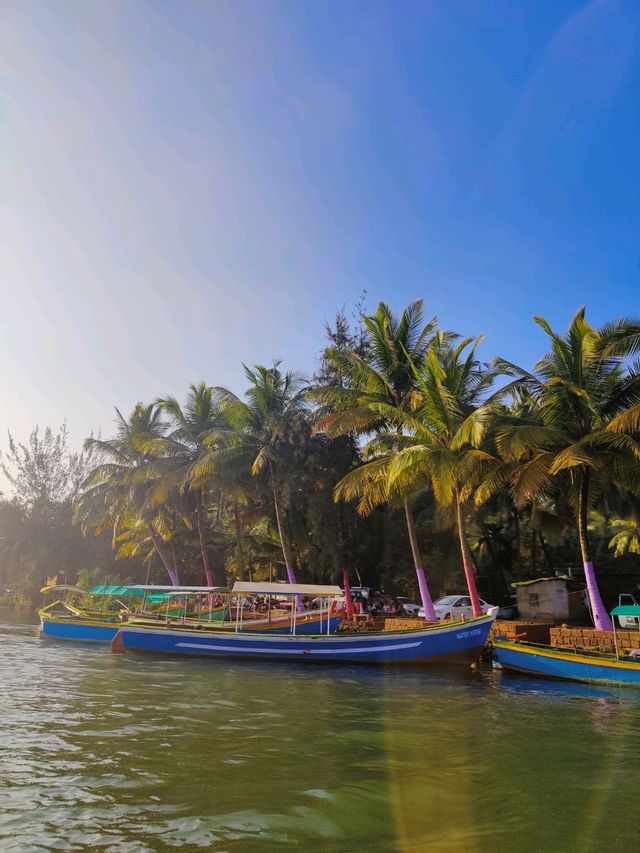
pixel 626 610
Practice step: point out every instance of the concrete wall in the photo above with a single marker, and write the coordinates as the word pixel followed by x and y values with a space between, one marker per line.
pixel 543 600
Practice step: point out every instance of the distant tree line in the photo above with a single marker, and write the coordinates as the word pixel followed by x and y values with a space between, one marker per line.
pixel 405 462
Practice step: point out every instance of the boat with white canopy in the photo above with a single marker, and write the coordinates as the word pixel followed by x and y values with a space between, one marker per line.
pixel 451 642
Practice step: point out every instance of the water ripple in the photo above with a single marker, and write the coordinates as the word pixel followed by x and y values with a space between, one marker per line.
pixel 120 753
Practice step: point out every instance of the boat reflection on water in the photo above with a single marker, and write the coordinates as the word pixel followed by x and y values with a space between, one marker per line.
pixel 511 682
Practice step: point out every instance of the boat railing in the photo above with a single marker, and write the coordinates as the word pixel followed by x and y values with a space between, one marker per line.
pixel 295 592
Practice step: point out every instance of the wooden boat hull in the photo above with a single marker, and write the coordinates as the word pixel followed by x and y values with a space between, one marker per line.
pixel 553 662
pixel 459 642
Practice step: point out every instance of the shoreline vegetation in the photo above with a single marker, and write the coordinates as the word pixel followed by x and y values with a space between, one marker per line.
pixel 405 463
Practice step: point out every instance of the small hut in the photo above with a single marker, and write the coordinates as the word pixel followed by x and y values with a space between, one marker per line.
pixel 557 599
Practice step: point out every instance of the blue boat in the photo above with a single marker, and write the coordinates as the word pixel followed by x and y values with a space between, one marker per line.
pixel 453 642
pixel 65 619
pixel 569 664
pixel 94 616
pixel 556 662
pixel 77 628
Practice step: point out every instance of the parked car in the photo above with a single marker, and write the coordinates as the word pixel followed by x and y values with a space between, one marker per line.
pixel 410 608
pixel 455 607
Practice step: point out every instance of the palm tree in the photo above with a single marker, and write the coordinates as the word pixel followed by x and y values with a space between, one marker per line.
pixel 374 391
pixel 583 433
pixel 116 493
pixel 183 446
pixel 254 439
pixel 446 428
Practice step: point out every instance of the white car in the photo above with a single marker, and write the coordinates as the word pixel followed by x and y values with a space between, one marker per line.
pixel 410 608
pixel 455 607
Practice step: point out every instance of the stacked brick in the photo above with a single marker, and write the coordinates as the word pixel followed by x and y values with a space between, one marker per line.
pixel 399 623
pixel 500 628
pixel 594 641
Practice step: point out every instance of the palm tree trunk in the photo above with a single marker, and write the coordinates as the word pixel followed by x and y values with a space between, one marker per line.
pixel 169 564
pixel 284 539
pixel 203 539
pixel 516 530
pixel 346 584
pixel 600 616
pixel 238 540
pixel 427 603
pixel 534 552
pixel 545 551
pixel 467 560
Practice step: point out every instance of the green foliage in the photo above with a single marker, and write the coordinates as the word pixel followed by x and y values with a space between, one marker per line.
pixel 402 424
pixel 43 472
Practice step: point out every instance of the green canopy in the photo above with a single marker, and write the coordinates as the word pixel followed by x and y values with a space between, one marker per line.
pixel 626 610
pixel 116 590
pixel 139 592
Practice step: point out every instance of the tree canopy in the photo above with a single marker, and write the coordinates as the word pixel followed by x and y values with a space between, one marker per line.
pixel 463 472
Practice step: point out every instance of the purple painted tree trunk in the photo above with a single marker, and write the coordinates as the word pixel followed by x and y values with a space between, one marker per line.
pixel 467 562
pixel 427 603
pixel 601 618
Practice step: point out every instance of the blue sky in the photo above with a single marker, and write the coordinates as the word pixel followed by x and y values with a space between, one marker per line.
pixel 186 186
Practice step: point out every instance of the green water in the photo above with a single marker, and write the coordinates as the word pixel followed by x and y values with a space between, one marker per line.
pixel 124 753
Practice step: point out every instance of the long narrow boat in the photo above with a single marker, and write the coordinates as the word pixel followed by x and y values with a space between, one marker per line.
pixel 571 664
pixel 64 620
pixel 455 642
pixel 558 662
pixel 97 622
pixel 67 619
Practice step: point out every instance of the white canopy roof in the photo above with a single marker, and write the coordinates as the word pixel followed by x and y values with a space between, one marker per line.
pixel 266 588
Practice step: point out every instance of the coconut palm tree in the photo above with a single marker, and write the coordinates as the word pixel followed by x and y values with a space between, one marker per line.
pixel 583 434
pixel 444 433
pixel 116 493
pixel 255 437
pixel 374 390
pixel 181 448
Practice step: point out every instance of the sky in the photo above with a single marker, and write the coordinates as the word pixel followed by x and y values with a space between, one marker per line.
pixel 186 186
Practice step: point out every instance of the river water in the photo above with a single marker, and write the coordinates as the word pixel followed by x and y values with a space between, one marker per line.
pixel 123 753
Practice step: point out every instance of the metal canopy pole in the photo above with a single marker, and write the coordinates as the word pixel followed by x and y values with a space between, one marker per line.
pixel 615 637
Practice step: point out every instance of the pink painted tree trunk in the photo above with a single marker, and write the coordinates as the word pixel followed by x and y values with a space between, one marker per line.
pixel 467 562
pixel 425 596
pixel 346 585
pixel 601 618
